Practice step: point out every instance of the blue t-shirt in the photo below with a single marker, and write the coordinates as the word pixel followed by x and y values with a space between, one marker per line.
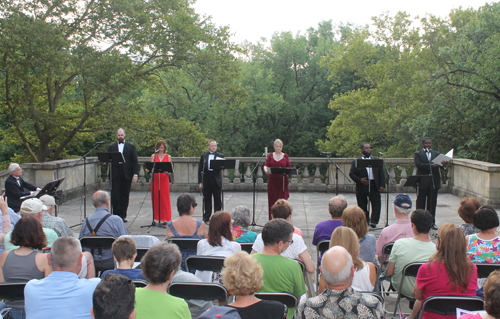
pixel 130 273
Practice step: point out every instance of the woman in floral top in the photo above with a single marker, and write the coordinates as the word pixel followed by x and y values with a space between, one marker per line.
pixel 484 247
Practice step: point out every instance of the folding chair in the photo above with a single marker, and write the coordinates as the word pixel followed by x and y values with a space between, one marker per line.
pixel 143 241
pixel 139 283
pixel 323 246
pixel 307 279
pixel 247 247
pixel 12 290
pixel 374 294
pixel 410 270
pixel 484 269
pixel 447 305
pixel 207 291
pixel 97 244
pixel 140 253
pixel 284 297
pixel 205 263
pixel 189 244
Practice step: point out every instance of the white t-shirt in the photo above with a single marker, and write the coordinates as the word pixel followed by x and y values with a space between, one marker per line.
pixel 293 251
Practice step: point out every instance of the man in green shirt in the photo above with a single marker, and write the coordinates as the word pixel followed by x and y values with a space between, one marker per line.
pixel 281 274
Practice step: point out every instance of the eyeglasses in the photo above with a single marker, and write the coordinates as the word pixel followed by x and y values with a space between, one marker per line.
pixel 195 204
pixel 290 241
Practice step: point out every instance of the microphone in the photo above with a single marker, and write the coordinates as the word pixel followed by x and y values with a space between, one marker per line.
pixel 324 153
pixel 157 151
pixel 381 153
pixel 101 142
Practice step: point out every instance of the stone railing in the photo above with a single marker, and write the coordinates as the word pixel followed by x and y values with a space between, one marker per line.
pixel 464 177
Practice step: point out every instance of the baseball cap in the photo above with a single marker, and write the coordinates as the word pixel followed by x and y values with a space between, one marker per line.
pixel 48 200
pixel 403 201
pixel 32 206
pixel 221 312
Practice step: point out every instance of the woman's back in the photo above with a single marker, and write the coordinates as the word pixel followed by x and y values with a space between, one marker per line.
pixel 361 280
pixel 263 309
pixel 483 250
pixel 185 227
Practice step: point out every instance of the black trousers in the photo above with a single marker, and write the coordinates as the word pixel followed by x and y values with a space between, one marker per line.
pixel 211 189
pixel 120 192
pixel 427 199
pixel 374 197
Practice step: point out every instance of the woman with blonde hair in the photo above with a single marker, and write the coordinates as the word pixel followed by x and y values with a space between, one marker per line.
pixel 354 218
pixel 449 272
pixel 365 273
pixel 491 298
pixel 242 276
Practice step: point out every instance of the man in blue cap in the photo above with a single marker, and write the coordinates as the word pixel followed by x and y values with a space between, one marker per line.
pixel 400 229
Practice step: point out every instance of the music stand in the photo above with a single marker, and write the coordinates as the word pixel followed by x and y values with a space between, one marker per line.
pixel 418 181
pixel 283 171
pixel 369 163
pixel 110 158
pixel 222 164
pixel 157 167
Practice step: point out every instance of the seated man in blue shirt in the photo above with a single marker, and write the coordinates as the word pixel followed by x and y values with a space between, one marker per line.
pixel 61 295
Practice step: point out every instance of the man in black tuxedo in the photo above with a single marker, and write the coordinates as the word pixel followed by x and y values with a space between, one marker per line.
pixel 123 174
pixel 427 197
pixel 210 180
pixel 369 183
pixel 15 187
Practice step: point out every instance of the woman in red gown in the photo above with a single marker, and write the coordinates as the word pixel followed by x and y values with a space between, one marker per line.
pixel 160 184
pixel 275 181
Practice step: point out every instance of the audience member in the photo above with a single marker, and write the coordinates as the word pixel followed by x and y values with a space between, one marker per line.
pixel 15 187
pixel 196 306
pixel 102 223
pixel 491 298
pixel 57 224
pixel 61 295
pixel 124 253
pixel 8 220
pixel 354 217
pixel 24 263
pixel 158 266
pixel 114 298
pixel 241 220
pixel 468 206
pixel 400 229
pixel 219 243
pixel 324 229
pixel 339 300
pixel 448 271
pixel 186 226
pixel 242 276
pixel 484 247
pixel 32 207
pixel 281 274
pixel 297 248
pixel 408 250
pixel 365 273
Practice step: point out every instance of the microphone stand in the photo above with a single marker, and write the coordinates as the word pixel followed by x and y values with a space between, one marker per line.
pixel 254 177
pixel 84 158
pixel 337 169
pixel 387 191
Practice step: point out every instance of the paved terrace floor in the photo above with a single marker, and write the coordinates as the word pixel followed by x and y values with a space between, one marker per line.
pixel 308 210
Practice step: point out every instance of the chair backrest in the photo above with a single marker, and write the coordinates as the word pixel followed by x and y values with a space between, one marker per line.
pixel 410 270
pixel 198 290
pixel 12 291
pixel 139 283
pixel 374 294
pixel 140 253
pixel 484 269
pixel 284 297
pixel 184 243
pixel 97 242
pixel 323 246
pixel 246 247
pixel 447 305
pixel 144 241
pixel 386 250
pixel 302 265
pixel 209 263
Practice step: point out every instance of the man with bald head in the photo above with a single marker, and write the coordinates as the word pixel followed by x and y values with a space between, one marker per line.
pixel 339 300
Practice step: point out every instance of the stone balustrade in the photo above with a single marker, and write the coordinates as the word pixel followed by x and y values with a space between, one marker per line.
pixel 464 177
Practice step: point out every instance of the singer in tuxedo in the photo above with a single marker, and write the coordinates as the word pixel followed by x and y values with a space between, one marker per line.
pixel 123 174
pixel 210 180
pixel 370 183
pixel 15 187
pixel 427 197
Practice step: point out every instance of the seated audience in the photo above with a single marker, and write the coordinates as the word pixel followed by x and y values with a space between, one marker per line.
pixel 32 207
pixel 484 247
pixel 61 295
pixel 408 250
pixel 24 263
pixel 241 220
pixel 324 229
pixel 339 300
pixel 400 229
pixel 159 266
pixel 297 248
pixel 281 274
pixel 196 306
pixel 8 220
pixel 365 273
pixel 114 298
pixel 354 217
pixel 219 243
pixel 447 273
pixel 57 224
pixel 468 206
pixel 242 276
pixel 124 253
pixel 186 226
pixel 102 223
pixel 491 298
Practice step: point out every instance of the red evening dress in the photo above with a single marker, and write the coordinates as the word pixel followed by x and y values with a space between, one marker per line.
pixel 275 181
pixel 164 187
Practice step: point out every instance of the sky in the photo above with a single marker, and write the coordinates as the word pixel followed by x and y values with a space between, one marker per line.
pixel 251 20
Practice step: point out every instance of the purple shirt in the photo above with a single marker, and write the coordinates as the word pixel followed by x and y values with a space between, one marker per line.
pixel 400 229
pixel 324 230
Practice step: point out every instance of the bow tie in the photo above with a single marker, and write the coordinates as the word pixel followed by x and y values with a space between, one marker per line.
pixel 211 153
pixel 121 142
